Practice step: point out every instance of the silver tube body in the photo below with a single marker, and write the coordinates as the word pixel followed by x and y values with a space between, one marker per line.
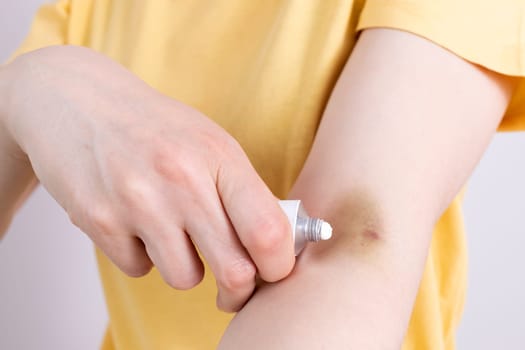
pixel 299 220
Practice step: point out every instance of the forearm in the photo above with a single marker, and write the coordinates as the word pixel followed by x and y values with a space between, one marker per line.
pixel 16 175
pixel 353 292
pixel 405 126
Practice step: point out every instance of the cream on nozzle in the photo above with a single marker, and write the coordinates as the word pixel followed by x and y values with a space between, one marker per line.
pixel 326 231
pixel 304 228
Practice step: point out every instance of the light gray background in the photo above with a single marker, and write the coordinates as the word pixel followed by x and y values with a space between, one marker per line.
pixel 51 298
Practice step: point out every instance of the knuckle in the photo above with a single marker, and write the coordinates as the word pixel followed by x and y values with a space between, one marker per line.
pixel 222 144
pixel 76 211
pixel 268 235
pixel 73 217
pixel 237 275
pixel 100 219
pixel 219 147
pixel 135 191
pixel 173 164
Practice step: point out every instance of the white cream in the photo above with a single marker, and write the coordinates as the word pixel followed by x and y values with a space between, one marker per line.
pixel 304 228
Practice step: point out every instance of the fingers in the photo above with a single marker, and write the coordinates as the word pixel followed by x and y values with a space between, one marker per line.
pixel 198 211
pixel 124 249
pixel 230 263
pixel 128 254
pixel 232 217
pixel 257 218
pixel 174 255
pixel 160 241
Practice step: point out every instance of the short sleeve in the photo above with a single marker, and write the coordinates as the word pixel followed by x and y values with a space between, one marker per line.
pixel 488 33
pixel 49 27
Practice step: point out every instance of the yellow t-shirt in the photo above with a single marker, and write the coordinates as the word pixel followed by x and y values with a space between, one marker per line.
pixel 264 70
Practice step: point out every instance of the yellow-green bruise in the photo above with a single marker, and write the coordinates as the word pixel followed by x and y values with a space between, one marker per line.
pixel 358 227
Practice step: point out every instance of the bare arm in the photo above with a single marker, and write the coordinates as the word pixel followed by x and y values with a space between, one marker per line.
pixel 405 126
pixel 17 178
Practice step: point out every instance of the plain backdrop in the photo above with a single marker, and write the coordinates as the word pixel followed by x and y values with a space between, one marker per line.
pixel 51 298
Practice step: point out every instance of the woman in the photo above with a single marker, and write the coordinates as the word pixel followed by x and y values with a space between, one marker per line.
pixel 381 155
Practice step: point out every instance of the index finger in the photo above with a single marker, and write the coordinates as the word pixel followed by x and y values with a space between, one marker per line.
pixel 260 223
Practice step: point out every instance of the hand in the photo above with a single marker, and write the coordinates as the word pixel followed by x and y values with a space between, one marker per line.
pixel 144 176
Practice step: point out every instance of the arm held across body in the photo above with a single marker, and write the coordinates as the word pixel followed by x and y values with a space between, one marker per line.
pixel 404 127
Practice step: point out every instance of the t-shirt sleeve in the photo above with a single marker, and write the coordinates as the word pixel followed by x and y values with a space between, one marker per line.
pixel 488 33
pixel 49 27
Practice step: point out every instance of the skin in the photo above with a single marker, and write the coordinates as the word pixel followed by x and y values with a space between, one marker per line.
pixel 144 176
pixel 391 152
pixel 404 127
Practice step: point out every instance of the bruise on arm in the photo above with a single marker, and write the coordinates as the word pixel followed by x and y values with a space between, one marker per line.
pixel 404 127
pixel 357 226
